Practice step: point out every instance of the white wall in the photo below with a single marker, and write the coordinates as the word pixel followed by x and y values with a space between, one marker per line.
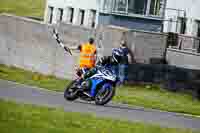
pixel 192 8
pixel 83 4
pixel 86 5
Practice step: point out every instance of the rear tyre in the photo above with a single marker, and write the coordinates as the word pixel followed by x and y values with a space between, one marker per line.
pixel 104 94
pixel 70 93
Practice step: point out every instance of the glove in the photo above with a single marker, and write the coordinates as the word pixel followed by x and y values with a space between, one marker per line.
pixel 67 50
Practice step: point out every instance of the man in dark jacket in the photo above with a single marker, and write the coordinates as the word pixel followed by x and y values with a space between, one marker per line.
pixel 123 63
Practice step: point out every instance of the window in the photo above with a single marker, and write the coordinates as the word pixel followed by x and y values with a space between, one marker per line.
pixel 155 7
pixel 50 14
pixel 107 5
pixel 198 28
pixel 92 19
pixel 120 5
pixel 198 35
pixel 137 6
pixel 169 27
pixel 60 14
pixel 71 15
pixel 81 17
pixel 140 6
pixel 181 25
pixel 131 6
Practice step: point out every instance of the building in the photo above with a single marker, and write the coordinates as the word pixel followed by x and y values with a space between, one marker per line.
pixel 145 15
pixel 77 12
pixel 182 16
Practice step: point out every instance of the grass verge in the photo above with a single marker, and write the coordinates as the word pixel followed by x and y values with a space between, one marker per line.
pixel 29 118
pixel 28 8
pixel 145 96
pixel 32 78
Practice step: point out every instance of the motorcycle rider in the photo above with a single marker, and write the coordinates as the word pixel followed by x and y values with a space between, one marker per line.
pixel 104 61
pixel 108 62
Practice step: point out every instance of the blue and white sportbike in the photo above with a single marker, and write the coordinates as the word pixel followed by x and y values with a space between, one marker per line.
pixel 98 84
pixel 99 87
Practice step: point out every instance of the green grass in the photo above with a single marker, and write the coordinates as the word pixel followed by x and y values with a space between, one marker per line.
pixel 22 118
pixel 31 8
pixel 157 98
pixel 146 96
pixel 31 78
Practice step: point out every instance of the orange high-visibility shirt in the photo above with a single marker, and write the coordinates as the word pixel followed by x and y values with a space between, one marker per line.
pixel 87 56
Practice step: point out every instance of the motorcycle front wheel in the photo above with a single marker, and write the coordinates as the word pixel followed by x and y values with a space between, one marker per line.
pixel 104 94
pixel 70 93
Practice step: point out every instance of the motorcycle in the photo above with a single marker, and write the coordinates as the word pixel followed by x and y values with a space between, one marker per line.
pixel 100 87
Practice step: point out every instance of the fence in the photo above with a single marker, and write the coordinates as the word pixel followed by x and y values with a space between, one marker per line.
pixel 183 42
pixel 183 51
pixel 169 77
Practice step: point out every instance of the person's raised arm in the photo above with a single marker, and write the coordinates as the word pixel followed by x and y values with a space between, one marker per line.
pixel 75 48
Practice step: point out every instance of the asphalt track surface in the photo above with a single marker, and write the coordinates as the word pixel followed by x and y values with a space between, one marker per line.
pixel 33 95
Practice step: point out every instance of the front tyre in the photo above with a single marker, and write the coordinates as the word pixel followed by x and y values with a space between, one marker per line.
pixel 104 94
pixel 70 93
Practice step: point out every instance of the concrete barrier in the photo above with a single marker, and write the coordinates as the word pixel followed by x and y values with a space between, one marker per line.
pixel 29 44
pixel 185 59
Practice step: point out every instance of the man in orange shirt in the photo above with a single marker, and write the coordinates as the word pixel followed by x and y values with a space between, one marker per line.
pixel 87 53
pixel 87 58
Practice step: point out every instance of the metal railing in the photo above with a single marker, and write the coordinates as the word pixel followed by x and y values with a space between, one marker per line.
pixel 186 43
pixel 111 6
